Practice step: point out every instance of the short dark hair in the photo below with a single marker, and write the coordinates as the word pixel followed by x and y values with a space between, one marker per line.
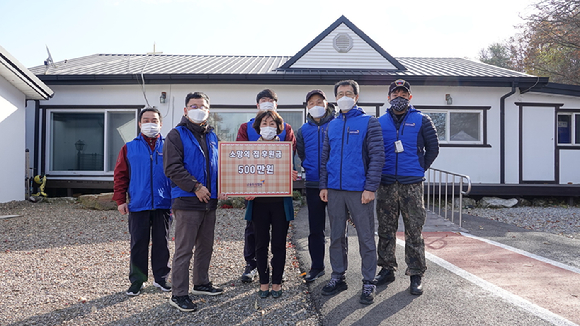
pixel 263 115
pixel 266 93
pixel 196 95
pixel 348 82
pixel 150 109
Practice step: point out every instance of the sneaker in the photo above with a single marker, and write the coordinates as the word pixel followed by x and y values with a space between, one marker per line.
pixel 385 276
pixel 163 285
pixel 207 289
pixel 182 303
pixel 416 287
pixel 334 286
pixel 313 275
pixel 368 293
pixel 249 274
pixel 135 289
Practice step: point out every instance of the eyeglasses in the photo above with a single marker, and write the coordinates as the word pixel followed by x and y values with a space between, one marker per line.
pixel 347 93
pixel 195 107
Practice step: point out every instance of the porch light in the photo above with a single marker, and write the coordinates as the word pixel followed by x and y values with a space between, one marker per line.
pixel 79 145
pixel 448 99
pixel 163 97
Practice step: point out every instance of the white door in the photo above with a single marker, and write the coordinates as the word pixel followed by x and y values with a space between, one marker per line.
pixel 538 147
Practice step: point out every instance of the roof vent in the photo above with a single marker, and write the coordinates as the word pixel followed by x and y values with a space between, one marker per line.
pixel 342 43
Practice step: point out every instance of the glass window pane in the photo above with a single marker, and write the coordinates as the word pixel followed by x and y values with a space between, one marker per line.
pixel 564 129
pixel 464 126
pixel 121 128
pixel 226 124
pixel 577 125
pixel 77 141
pixel 439 120
pixel 294 118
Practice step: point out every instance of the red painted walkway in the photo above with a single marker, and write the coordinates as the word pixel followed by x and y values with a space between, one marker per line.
pixel 548 286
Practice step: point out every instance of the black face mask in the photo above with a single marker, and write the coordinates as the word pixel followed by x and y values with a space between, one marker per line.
pixel 399 104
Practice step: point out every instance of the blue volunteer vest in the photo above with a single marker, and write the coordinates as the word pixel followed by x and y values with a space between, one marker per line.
pixel 313 136
pixel 195 163
pixel 149 188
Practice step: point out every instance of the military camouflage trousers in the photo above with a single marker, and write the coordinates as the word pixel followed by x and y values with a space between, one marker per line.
pixel 406 200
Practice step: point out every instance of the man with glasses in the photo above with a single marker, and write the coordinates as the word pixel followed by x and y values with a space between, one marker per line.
pixel 350 173
pixel 411 146
pixel 266 100
pixel 190 160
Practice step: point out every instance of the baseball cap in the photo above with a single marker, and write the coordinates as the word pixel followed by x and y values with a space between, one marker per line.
pixel 313 92
pixel 399 83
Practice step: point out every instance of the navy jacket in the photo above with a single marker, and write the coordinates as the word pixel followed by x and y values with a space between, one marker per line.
pixel 420 143
pixel 352 154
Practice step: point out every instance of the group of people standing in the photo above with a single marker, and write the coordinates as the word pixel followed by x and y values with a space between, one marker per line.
pixel 350 159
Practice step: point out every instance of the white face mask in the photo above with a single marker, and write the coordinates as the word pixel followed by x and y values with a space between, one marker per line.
pixel 267 106
pixel 150 130
pixel 345 103
pixel 317 111
pixel 268 133
pixel 198 115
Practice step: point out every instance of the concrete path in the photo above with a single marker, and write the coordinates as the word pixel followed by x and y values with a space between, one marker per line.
pixel 486 273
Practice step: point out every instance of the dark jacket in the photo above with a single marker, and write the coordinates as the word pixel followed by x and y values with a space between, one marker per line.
pixel 420 143
pixel 352 154
pixel 176 171
pixel 309 141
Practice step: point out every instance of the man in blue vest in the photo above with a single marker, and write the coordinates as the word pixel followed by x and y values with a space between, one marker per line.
pixel 190 159
pixel 411 145
pixel 350 173
pixel 309 140
pixel 266 100
pixel 139 173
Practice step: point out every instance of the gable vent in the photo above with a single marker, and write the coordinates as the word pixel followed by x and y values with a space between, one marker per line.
pixel 342 43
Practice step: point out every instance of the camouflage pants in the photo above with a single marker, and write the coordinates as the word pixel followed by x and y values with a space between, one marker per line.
pixel 407 200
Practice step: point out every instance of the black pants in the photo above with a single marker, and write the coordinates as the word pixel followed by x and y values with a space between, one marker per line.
pixel 250 245
pixel 316 223
pixel 144 226
pixel 268 216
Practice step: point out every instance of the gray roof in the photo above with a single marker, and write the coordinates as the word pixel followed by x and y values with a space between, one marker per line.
pixel 164 64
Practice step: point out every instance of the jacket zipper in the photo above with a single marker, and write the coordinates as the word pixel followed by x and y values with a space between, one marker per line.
pixel 342 150
pixel 151 172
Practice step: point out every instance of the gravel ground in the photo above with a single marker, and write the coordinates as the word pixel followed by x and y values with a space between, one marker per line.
pixel 61 264
pixel 559 220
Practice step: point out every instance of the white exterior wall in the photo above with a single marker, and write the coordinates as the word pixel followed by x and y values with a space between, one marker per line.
pixel 482 164
pixel 13 159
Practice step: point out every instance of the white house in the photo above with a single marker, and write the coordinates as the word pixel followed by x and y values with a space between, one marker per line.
pixel 511 132
pixel 17 86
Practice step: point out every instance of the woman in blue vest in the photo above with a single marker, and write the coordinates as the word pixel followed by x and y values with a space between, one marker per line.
pixel 270 217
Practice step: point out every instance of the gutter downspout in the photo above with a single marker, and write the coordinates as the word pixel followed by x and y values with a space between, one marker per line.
pixel 35 154
pixel 502 132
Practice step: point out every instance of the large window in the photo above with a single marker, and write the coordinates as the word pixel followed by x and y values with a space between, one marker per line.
pixel 569 128
pixel 458 126
pixel 88 141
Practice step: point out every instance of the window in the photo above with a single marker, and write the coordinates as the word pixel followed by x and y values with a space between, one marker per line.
pixel 88 140
pixel 458 126
pixel 569 128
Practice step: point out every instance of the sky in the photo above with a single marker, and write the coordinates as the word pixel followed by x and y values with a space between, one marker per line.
pixel 411 28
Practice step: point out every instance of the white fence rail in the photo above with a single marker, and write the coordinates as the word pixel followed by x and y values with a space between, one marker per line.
pixel 442 186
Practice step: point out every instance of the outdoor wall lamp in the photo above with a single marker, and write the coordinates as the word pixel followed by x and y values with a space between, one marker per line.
pixel 79 145
pixel 448 99
pixel 163 97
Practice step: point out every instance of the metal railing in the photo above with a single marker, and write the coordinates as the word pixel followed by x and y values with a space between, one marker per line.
pixel 436 180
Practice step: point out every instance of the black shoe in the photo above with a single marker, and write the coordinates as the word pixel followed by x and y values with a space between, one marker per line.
pixel 182 303
pixel 276 294
pixel 385 276
pixel 162 285
pixel 135 289
pixel 334 286
pixel 416 287
pixel 313 275
pixel 207 289
pixel 249 274
pixel 263 294
pixel 368 293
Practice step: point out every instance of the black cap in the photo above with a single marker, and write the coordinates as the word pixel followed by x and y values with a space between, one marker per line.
pixel 399 83
pixel 313 92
